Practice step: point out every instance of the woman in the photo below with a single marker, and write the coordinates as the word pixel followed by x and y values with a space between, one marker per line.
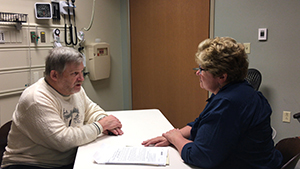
pixel 233 131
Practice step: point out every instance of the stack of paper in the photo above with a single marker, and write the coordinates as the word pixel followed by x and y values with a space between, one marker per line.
pixel 108 154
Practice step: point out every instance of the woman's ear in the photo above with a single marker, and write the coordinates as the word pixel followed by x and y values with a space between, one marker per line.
pixel 223 78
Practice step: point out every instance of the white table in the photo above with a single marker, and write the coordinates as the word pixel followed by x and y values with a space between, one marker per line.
pixel 138 125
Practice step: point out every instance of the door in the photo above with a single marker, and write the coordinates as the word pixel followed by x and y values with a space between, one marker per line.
pixel 164 39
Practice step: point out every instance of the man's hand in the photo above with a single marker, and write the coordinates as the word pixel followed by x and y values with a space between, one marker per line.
pixel 112 124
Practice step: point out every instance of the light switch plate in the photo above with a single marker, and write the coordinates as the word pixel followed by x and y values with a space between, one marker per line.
pixel 286 116
pixel 247 47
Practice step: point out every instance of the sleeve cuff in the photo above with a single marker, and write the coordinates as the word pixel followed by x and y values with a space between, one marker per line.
pixel 101 116
pixel 98 127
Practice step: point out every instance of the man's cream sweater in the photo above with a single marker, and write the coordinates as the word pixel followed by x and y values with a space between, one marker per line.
pixel 47 127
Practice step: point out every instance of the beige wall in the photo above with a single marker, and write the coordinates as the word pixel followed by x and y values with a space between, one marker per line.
pixel 21 62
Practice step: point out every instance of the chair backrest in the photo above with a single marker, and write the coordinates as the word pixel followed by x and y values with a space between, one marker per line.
pixel 254 77
pixel 292 163
pixel 297 116
pixel 4 130
pixel 290 150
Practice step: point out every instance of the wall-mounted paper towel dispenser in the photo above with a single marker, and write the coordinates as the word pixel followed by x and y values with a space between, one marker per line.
pixel 98 60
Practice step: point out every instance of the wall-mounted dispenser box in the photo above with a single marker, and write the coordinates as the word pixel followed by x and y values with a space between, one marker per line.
pixel 98 60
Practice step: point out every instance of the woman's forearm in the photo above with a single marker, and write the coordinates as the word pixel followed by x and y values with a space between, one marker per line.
pixel 185 131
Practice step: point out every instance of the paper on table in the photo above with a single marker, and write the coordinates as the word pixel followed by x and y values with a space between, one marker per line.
pixel 108 154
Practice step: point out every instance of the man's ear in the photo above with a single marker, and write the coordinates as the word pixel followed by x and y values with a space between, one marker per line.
pixel 54 75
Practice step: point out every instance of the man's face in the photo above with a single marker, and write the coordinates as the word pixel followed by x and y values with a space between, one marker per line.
pixel 71 79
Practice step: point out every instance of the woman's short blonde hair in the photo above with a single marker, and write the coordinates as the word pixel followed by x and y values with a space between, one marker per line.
pixel 223 55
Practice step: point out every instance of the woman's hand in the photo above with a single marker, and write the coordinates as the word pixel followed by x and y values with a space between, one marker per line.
pixel 176 138
pixel 159 141
pixel 172 135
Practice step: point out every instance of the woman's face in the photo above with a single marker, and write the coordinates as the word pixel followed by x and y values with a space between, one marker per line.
pixel 208 81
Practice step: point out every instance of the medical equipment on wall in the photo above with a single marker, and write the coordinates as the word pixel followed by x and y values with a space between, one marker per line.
pixel 18 18
pixel 98 60
pixel 55 10
pixel 81 46
pixel 56 38
pixel 66 8
pixel 43 10
pixel 34 36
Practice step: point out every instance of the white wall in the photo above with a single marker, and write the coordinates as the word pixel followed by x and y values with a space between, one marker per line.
pixel 107 25
pixel 277 58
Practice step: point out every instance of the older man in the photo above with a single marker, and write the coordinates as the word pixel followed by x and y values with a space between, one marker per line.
pixel 54 116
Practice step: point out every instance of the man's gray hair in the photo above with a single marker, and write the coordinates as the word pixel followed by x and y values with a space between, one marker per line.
pixel 59 57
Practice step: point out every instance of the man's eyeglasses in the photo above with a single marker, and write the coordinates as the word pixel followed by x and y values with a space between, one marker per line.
pixel 199 68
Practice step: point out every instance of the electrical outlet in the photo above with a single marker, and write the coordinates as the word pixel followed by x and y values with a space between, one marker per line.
pixel 286 116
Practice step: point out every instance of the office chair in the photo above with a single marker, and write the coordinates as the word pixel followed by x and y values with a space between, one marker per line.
pixel 4 130
pixel 254 78
pixel 290 149
pixel 292 163
pixel 297 116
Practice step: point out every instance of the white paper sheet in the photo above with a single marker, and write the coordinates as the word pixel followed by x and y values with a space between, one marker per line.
pixel 108 154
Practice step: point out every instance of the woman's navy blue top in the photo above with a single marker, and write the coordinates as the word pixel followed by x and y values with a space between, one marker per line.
pixel 233 131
